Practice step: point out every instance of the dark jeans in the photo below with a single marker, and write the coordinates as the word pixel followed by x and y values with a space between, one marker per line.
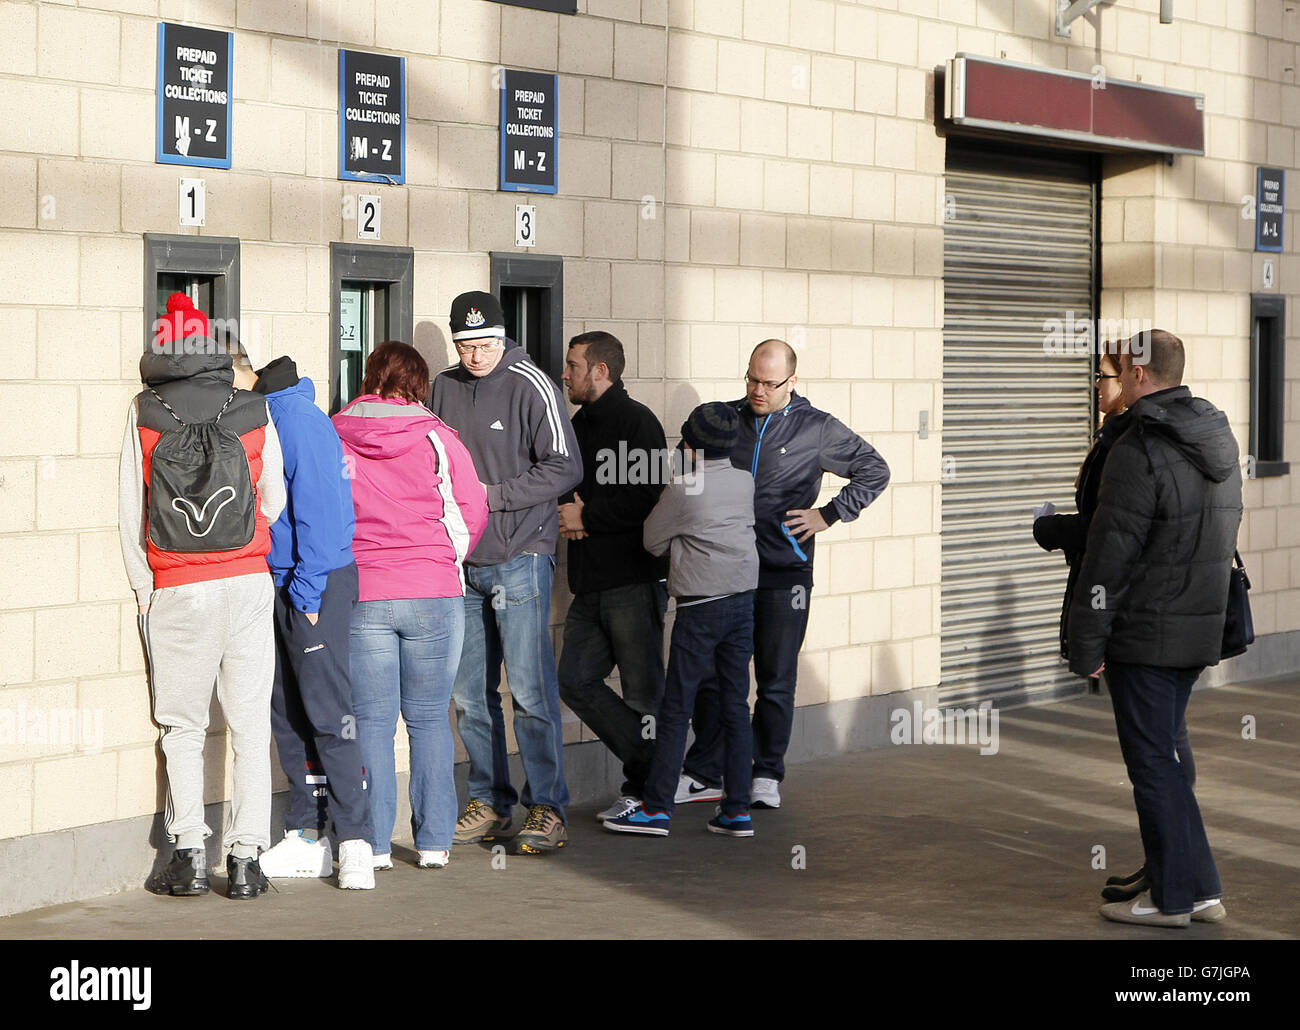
pixel 715 638
pixel 311 712
pixel 623 626
pixel 779 628
pixel 1150 705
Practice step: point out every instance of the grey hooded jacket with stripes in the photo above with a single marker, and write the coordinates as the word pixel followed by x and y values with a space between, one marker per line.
pixel 514 423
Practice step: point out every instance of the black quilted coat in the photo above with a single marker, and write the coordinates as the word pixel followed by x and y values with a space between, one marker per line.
pixel 1152 588
pixel 1069 533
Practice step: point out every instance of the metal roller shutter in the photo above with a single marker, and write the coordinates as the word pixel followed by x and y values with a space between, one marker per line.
pixel 1018 252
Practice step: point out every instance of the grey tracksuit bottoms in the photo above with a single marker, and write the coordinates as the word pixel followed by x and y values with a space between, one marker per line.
pixel 198 634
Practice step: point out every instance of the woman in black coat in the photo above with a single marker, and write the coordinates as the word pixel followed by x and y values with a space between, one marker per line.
pixel 1069 533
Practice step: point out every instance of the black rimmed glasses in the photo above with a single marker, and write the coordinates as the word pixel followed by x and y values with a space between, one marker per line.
pixel 750 381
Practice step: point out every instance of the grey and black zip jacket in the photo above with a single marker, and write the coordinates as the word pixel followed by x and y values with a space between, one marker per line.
pixel 517 429
pixel 786 452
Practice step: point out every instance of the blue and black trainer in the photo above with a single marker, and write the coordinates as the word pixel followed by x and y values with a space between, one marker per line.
pixel 738 825
pixel 638 820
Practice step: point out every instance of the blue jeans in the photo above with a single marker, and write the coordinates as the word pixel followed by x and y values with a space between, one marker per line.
pixel 1150 704
pixel 621 626
pixel 780 622
pixel 404 656
pixel 711 638
pixel 507 618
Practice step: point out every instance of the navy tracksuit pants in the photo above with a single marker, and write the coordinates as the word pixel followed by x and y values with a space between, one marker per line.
pixel 311 712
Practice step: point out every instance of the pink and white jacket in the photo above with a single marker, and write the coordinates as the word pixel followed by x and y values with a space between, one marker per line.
pixel 419 504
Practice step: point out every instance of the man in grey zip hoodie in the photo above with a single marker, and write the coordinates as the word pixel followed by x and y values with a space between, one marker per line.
pixel 511 417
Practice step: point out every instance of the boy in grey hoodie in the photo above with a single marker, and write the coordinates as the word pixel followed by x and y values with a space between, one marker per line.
pixel 706 523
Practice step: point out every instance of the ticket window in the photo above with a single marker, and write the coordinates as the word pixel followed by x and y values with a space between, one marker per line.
pixel 198 288
pixel 363 325
pixel 204 268
pixel 373 292
pixel 531 290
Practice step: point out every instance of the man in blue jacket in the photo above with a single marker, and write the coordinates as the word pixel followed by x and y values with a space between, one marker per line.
pixel 786 444
pixel 316 590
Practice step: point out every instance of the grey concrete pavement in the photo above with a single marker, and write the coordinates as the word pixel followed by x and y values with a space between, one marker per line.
pixel 910 841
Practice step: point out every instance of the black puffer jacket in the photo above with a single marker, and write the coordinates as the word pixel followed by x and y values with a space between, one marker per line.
pixel 1152 587
pixel 1069 533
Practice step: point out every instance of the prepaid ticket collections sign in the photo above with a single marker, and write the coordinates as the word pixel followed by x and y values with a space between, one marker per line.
pixel 194 96
pixel 528 132
pixel 372 117
pixel 1270 206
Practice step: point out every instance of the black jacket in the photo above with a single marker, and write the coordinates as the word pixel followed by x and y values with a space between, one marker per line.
pixel 623 473
pixel 1153 583
pixel 1069 533
pixel 787 452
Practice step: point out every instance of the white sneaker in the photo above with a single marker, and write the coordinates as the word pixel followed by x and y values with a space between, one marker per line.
pixel 690 789
pixel 356 866
pixel 433 859
pixel 763 793
pixel 296 856
pixel 384 861
pixel 619 808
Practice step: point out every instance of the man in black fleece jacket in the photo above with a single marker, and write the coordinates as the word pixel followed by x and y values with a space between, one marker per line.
pixel 1149 609
pixel 617 613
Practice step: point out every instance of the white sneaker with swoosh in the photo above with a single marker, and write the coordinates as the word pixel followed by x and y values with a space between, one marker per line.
pixel 1143 912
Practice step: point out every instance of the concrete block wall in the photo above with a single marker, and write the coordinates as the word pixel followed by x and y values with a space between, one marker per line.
pixel 729 170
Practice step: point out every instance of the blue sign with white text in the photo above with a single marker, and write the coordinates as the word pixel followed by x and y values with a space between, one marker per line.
pixel 528 147
pixel 1270 206
pixel 194 99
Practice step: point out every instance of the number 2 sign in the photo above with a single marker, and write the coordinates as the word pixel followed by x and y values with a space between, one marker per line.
pixel 367 217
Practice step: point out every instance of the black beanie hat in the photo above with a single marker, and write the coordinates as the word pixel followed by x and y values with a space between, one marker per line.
pixel 712 429
pixel 475 315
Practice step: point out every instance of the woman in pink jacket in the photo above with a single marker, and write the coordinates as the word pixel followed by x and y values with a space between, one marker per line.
pixel 420 510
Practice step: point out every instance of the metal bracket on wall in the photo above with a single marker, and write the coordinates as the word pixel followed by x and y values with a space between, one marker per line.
pixel 1067 12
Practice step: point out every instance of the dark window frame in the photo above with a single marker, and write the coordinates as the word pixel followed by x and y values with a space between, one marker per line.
pixel 372 263
pixel 547 272
pixel 554 6
pixel 1268 386
pixel 217 256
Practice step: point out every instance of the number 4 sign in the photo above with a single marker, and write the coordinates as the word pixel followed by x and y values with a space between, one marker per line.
pixel 193 202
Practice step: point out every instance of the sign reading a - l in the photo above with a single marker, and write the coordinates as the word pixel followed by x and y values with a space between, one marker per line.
pixel 194 99
pixel 528 132
pixel 1270 206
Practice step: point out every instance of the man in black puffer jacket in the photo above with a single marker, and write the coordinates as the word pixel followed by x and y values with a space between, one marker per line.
pixel 1150 605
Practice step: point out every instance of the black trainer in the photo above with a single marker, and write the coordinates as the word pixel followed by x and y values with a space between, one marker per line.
pixel 1126 888
pixel 246 878
pixel 185 876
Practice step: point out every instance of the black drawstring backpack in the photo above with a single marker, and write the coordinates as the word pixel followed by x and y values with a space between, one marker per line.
pixel 201 496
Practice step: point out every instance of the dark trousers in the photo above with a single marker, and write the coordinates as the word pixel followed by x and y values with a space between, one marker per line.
pixel 623 626
pixel 1150 706
pixel 714 639
pixel 311 712
pixel 780 622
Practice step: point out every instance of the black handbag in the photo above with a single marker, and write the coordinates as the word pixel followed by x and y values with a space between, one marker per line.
pixel 1239 627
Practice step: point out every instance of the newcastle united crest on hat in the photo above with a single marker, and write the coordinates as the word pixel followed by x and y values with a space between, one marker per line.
pixel 475 315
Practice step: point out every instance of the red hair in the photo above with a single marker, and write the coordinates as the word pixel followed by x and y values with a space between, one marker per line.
pixel 396 370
